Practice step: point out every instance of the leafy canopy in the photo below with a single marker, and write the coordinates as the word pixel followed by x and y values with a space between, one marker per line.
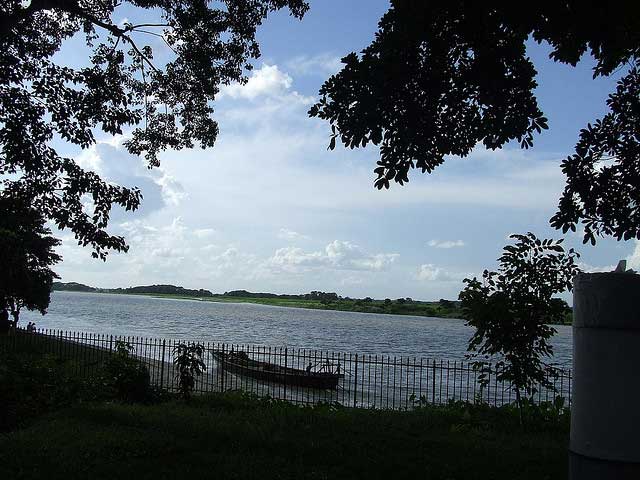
pixel 442 76
pixel 123 88
pixel 511 309
pixel 26 256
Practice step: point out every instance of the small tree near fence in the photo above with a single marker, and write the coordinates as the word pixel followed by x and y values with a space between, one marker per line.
pixel 511 310
pixel 187 357
pixel 125 377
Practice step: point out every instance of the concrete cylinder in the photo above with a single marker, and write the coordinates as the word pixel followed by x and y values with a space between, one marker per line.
pixel 605 408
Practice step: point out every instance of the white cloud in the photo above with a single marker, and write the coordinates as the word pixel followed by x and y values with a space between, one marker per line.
pixel 633 260
pixel 446 243
pixel 322 65
pixel 204 232
pixel 270 168
pixel 167 253
pixel 350 256
pixel 291 258
pixel 286 234
pixel 351 280
pixel 431 273
pixel 267 80
pixel 337 255
pixel 587 268
pixel 109 159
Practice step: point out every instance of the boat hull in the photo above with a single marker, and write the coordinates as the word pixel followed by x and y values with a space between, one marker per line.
pixel 274 373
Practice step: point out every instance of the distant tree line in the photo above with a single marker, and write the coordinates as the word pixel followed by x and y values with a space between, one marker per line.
pixel 154 289
pixel 72 287
pixel 164 289
pixel 323 297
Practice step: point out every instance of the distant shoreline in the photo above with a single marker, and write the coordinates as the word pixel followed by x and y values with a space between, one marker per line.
pixel 415 308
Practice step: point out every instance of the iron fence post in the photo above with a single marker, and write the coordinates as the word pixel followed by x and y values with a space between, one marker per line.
pixel 284 377
pixel 355 384
pixel 377 389
pixel 162 364
pixel 433 381
pixel 222 370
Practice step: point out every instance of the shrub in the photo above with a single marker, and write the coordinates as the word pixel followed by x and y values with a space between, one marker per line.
pixel 187 357
pixel 533 417
pixel 125 377
pixel 511 308
pixel 31 385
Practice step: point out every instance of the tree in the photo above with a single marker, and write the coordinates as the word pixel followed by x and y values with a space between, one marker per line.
pixel 445 303
pixel 26 255
pixel 165 105
pixel 442 76
pixel 187 358
pixel 511 309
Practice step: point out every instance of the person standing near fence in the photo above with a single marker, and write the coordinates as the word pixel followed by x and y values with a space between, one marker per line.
pixel 4 320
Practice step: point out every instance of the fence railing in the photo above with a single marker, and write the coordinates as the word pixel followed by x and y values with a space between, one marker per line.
pixel 364 380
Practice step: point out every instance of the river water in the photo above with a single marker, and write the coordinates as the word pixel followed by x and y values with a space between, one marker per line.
pixel 241 323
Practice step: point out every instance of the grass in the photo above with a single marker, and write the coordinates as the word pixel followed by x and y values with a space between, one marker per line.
pixel 415 308
pixel 229 436
pixel 70 432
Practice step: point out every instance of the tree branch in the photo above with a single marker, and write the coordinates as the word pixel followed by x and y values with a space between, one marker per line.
pixel 8 22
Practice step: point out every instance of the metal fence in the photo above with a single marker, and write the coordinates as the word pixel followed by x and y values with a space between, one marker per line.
pixel 366 380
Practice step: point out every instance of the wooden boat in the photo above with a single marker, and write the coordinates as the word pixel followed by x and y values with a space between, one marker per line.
pixel 240 363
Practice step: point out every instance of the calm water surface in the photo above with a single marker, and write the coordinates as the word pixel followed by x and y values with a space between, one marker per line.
pixel 266 325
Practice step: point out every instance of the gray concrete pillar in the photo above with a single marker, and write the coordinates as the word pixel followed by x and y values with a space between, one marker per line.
pixel 605 410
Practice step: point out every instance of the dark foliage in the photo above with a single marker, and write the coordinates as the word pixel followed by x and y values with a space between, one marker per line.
pixel 442 76
pixel 26 256
pixel 141 289
pixel 511 309
pixel 124 377
pixel 166 105
pixel 544 416
pixel 39 375
pixel 31 385
pixel 71 287
pixel 163 289
pixel 187 357
pixel 603 176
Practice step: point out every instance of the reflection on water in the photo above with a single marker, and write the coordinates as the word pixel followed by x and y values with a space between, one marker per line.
pixel 266 325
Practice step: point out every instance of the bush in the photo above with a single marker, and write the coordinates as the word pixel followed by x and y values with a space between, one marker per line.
pixel 187 357
pixel 534 417
pixel 32 385
pixel 124 377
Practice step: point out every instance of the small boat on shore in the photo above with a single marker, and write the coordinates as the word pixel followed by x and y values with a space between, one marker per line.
pixel 240 363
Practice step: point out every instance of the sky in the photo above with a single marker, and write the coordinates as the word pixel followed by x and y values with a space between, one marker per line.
pixel 270 209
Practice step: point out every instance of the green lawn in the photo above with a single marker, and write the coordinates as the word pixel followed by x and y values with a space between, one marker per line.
pixel 234 437
pixel 424 309
pixel 58 424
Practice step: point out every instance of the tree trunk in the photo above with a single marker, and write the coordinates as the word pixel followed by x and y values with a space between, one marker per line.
pixel 519 400
pixel 15 313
